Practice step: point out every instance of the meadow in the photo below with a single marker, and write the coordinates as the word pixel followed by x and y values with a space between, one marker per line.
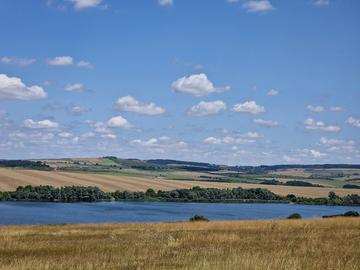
pixel 278 244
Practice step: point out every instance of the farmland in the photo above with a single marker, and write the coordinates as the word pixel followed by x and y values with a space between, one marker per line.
pixel 10 179
pixel 111 173
pixel 283 244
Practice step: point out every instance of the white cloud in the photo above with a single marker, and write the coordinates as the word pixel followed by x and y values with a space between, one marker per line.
pixel 83 4
pixel 160 145
pixel 166 2
pixel 321 3
pixel 247 138
pixel 84 64
pixel 212 140
pixel 311 124
pixel 207 108
pixel 149 143
pixel 313 153
pixel 130 104
pixel 65 135
pixel 249 107
pixel 228 140
pixel 257 6
pixel 75 87
pixel 332 142
pixel 315 109
pixel 61 61
pixel 68 61
pixel 118 122
pixel 77 110
pixel 22 62
pixel 290 159
pixel 353 121
pixel 252 135
pixel 273 92
pixel 198 85
pixel 12 88
pixel 100 127
pixel 109 136
pixel 336 109
pixel 268 123
pixel 42 124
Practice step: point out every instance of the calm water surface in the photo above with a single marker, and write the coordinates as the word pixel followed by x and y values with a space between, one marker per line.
pixel 130 212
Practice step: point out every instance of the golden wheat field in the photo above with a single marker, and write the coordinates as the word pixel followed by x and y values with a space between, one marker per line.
pixel 283 244
pixel 10 179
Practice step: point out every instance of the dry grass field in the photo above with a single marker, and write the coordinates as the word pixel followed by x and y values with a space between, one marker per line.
pixel 331 244
pixel 10 179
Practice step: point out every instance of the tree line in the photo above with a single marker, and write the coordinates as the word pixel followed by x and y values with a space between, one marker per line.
pixel 195 194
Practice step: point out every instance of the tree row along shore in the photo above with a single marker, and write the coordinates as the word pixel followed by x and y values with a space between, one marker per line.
pixel 196 194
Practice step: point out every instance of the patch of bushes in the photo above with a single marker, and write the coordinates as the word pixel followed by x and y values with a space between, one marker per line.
pixel 351 186
pixel 198 218
pixel 26 164
pixel 295 216
pixel 297 183
pixel 351 214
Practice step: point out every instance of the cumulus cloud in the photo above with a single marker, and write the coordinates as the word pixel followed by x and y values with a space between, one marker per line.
pixel 315 109
pixel 273 92
pixel 322 3
pixel 207 108
pixel 312 153
pixel 118 122
pixel 290 159
pixel 353 121
pixel 22 62
pixel 160 145
pixel 61 61
pixel 109 136
pixel 130 104
pixel 75 87
pixel 257 6
pixel 84 4
pixel 336 109
pixel 68 61
pixel 247 138
pixel 198 85
pixel 311 124
pixel 42 124
pixel 84 64
pixel 12 88
pixel 166 2
pixel 227 140
pixel 268 123
pixel 65 134
pixel 76 110
pixel 331 142
pixel 249 107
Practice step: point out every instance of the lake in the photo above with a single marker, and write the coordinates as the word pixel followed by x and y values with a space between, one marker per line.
pixel 134 212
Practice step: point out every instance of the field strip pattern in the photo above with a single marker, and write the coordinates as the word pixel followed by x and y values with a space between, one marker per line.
pixel 10 179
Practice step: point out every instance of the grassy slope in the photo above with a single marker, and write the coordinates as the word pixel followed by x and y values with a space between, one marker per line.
pixel 295 244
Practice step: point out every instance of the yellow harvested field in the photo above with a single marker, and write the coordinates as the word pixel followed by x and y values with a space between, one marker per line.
pixel 10 179
pixel 251 245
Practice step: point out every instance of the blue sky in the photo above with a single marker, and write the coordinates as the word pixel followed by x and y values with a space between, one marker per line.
pixel 221 81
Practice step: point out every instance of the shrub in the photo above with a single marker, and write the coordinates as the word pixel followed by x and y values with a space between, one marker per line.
pixel 351 214
pixel 198 218
pixel 294 216
pixel 351 186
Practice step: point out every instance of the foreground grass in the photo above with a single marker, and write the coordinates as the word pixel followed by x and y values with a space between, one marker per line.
pixel 287 244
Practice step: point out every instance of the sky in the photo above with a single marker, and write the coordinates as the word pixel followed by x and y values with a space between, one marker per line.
pixel 237 82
